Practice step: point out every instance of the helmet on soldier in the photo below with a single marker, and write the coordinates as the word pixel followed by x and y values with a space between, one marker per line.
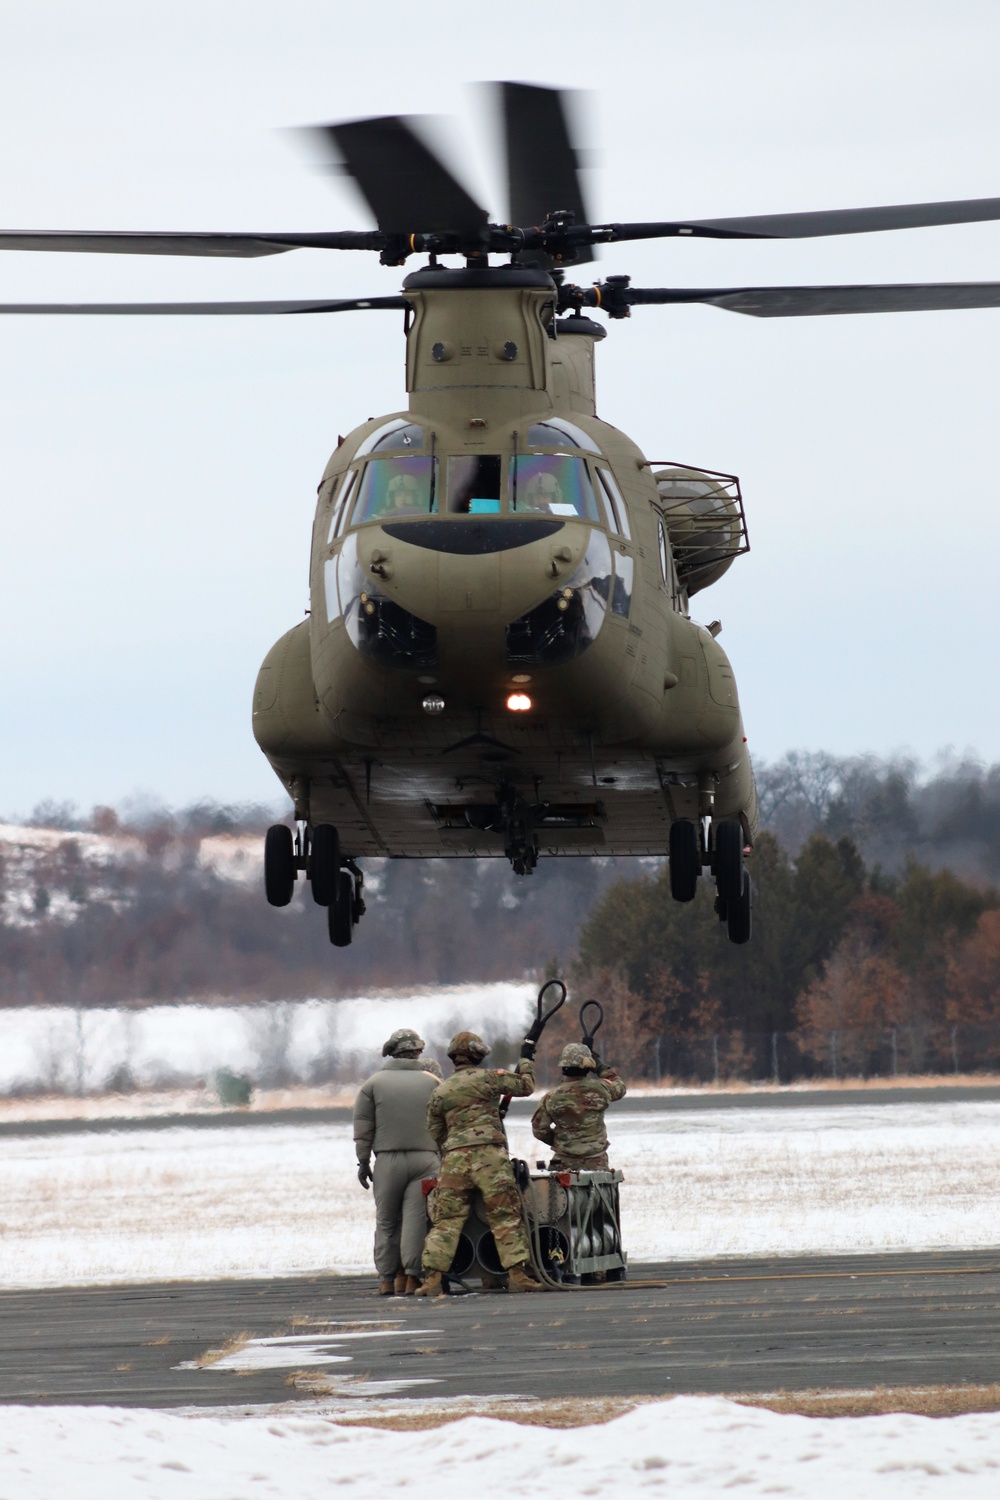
pixel 467 1044
pixel 576 1055
pixel 403 1043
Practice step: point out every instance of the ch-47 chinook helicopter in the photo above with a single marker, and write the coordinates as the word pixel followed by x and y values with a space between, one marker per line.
pixel 500 657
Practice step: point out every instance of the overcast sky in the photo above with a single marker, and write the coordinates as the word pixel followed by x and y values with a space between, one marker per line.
pixel 158 476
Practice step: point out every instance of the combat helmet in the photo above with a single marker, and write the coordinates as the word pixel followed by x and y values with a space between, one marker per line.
pixel 403 1040
pixel 467 1044
pixel 576 1055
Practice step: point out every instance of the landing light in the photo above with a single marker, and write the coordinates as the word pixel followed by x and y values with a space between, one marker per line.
pixel 518 703
pixel 432 704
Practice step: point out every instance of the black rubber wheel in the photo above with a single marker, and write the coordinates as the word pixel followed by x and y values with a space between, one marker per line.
pixel 685 860
pixel 338 913
pixel 739 914
pixel 279 864
pixel 729 859
pixel 324 863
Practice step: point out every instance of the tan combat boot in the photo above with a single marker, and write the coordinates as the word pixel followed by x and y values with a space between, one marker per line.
pixel 519 1279
pixel 431 1286
pixel 386 1288
pixel 411 1286
pixel 400 1284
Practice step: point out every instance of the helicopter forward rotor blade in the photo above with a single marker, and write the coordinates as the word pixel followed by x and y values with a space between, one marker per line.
pixel 130 242
pixel 542 167
pixel 200 309
pixel 407 188
pixel 812 301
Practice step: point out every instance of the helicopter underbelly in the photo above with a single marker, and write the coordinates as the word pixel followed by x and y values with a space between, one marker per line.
pixel 424 785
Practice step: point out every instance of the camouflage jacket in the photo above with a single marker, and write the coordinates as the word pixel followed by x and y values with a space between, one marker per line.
pixel 464 1110
pixel 570 1117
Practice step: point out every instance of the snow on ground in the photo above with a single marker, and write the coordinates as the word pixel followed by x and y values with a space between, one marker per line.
pixel 278 1200
pixel 46 1045
pixel 689 1446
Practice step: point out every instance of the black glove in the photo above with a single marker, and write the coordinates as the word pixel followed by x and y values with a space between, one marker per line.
pixel 534 1031
pixel 364 1174
pixel 528 1047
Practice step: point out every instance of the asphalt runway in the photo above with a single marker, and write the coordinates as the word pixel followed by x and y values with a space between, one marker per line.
pixel 520 1108
pixel 844 1322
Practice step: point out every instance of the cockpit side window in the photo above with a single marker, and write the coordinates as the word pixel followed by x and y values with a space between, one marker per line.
pixel 393 487
pixel 610 486
pixel 339 512
pixel 554 484
pixel 556 432
pixel 397 436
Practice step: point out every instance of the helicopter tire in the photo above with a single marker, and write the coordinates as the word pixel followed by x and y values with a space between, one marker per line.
pixel 729 860
pixel 279 864
pixel 685 860
pixel 739 914
pixel 324 863
pixel 340 912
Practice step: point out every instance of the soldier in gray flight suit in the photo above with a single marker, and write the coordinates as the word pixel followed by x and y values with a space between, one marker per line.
pixel 390 1119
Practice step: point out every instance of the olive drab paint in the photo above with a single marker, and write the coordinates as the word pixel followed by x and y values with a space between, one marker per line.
pixel 512 543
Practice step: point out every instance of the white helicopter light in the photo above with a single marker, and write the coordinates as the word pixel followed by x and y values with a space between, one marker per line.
pixel 518 703
pixel 432 704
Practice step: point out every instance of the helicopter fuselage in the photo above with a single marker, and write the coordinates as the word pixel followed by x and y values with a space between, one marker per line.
pixel 499 656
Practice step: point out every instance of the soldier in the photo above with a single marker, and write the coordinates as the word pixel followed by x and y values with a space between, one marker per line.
pixel 463 1116
pixel 570 1117
pixel 390 1118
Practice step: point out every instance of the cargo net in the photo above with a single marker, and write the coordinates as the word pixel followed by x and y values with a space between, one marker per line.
pixel 705 523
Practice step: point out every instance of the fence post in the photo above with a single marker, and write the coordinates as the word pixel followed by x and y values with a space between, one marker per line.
pixel 954 1047
pixel 834 1036
pixel 774 1057
pixel 715 1058
pixel 656 1055
pixel 895 1055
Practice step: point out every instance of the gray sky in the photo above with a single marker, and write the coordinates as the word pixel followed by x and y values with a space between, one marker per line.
pixel 158 476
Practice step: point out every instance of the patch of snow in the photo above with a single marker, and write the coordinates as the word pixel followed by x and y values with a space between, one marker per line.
pixel 284 1200
pixel 688 1446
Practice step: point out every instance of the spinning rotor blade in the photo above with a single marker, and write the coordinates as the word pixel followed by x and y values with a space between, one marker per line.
pixel 200 309
pixel 405 185
pixel 542 168
pixel 806 301
pixel 131 242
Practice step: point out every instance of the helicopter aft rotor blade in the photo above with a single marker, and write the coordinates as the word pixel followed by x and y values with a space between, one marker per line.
pixel 407 187
pixel 202 309
pixel 796 301
pixel 542 166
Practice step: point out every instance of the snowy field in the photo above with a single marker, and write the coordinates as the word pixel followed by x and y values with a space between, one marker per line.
pixel 278 1200
pixel 690 1446
pixel 56 1046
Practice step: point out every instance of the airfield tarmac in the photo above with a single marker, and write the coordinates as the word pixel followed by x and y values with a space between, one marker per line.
pixel 750 1326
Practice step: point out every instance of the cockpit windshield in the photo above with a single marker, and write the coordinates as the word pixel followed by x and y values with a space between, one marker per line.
pixel 552 484
pixel 395 487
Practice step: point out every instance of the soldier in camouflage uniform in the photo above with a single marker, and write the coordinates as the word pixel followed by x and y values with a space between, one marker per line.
pixel 463 1117
pixel 570 1117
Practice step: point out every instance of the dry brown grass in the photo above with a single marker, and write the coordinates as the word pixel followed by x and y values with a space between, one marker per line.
pixel 231 1346
pixel 925 1401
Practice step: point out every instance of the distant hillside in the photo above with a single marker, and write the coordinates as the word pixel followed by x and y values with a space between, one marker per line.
pixel 144 903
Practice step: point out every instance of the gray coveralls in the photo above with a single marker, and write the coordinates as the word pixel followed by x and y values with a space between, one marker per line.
pixel 390 1118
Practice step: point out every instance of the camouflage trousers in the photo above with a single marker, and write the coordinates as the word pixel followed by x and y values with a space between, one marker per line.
pixel 580 1163
pixel 462 1172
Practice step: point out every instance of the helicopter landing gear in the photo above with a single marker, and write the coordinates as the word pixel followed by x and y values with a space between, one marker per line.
pixel 324 863
pixel 279 864
pixel 728 863
pixel 685 860
pixel 348 905
pixel 739 913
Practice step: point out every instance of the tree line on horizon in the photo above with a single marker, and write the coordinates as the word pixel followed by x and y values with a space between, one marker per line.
pixel 877 926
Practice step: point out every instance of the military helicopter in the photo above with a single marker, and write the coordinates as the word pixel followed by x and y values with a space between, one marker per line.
pixel 500 658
